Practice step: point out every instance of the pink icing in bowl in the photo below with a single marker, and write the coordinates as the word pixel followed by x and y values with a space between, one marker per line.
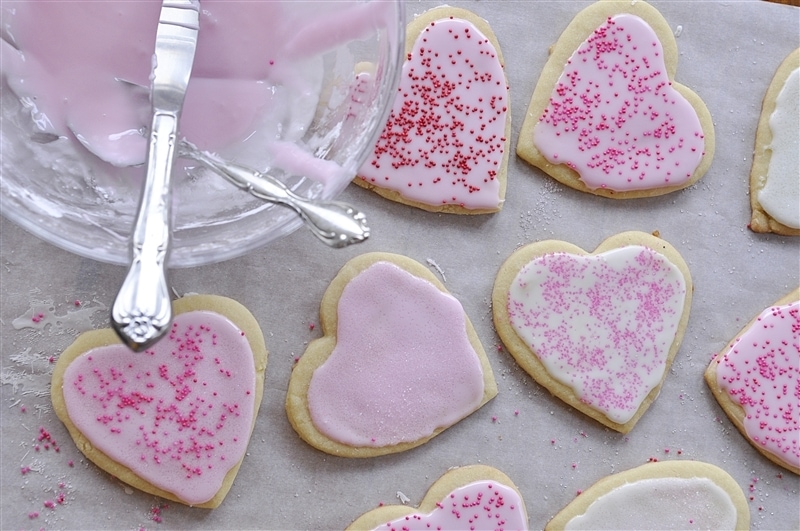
pixel 299 90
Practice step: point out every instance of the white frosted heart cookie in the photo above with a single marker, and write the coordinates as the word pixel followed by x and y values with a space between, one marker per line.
pixel 398 362
pixel 175 420
pixel 756 380
pixel 475 497
pixel 775 174
pixel 662 495
pixel 607 116
pixel 599 330
pixel 445 145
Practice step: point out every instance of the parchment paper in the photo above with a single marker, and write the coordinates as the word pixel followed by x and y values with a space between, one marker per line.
pixel 728 54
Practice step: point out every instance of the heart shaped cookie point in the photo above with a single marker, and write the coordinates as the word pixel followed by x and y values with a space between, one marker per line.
pixel 445 144
pixel 599 331
pixel 398 363
pixel 174 420
pixel 756 380
pixel 609 119
pixel 472 497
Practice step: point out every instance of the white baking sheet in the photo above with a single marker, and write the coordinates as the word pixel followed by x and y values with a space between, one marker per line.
pixel 728 53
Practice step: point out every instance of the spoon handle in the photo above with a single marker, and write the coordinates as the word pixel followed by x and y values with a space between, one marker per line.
pixel 142 310
pixel 335 223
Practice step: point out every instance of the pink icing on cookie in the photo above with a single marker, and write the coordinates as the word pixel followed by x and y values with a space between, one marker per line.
pixel 178 415
pixel 483 505
pixel 761 371
pixel 402 367
pixel 444 140
pixel 614 117
pixel 603 325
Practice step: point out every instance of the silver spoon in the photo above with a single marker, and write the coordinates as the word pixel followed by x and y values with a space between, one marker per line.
pixel 142 311
pixel 335 223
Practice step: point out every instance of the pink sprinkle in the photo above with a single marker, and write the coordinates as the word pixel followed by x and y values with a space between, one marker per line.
pixel 33 515
pixel 155 512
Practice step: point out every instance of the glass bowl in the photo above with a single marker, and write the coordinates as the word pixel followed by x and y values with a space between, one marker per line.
pixel 339 73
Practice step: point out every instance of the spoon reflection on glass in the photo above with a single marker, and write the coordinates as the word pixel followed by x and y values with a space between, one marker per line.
pixel 335 223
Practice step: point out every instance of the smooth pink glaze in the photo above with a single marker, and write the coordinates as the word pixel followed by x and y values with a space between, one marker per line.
pixel 246 75
pixel 178 415
pixel 402 367
pixel 75 52
pixel 602 324
pixel 480 506
pixel 445 138
pixel 614 117
pixel 761 371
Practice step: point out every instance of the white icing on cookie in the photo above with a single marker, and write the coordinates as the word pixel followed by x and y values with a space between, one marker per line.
pixel 603 325
pixel 780 197
pixel 660 503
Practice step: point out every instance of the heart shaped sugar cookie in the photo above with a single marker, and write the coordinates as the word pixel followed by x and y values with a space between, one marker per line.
pixel 607 117
pixel 475 497
pixel 598 330
pixel 756 380
pixel 398 362
pixel 775 174
pixel 663 495
pixel 444 147
pixel 174 420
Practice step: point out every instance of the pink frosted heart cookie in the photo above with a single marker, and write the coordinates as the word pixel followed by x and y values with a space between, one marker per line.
pixel 445 145
pixel 607 117
pixel 174 420
pixel 775 174
pixel 664 495
pixel 475 497
pixel 756 380
pixel 398 362
pixel 598 330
